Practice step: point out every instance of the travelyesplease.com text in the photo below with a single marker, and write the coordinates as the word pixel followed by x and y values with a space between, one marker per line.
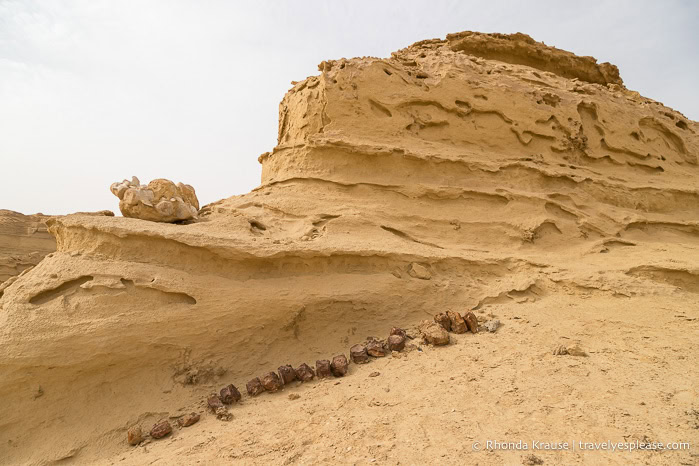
pixel 571 445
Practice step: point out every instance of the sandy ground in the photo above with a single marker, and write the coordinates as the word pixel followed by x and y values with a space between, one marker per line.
pixel 638 382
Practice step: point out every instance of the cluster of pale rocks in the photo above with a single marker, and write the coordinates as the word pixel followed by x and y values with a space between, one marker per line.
pixel 160 200
pixel 434 332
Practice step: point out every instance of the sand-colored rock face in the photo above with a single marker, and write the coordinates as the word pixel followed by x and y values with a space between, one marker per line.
pixel 452 175
pixel 24 241
pixel 520 49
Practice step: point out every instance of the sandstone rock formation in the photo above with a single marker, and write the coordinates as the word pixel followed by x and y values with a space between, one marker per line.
pixel 159 201
pixel 456 174
pixel 521 49
pixel 24 241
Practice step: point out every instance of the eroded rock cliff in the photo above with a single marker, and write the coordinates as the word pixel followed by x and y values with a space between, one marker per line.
pixel 456 174
pixel 24 241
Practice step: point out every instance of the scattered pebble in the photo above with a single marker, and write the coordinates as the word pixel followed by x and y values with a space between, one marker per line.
pixel 434 333
pixel 161 429
pixel 222 414
pixel 576 351
pixel 254 387
pixel 188 419
pixel 305 373
pixel 134 435
pixel 359 354
pixel 376 348
pixel 323 368
pixel 471 322
pixel 214 402
pixel 230 394
pixel 562 350
pixel 419 271
pixel 396 342
pixel 271 382
pixel 287 374
pixel 492 325
pixel 339 365
pixel 294 396
pixel 531 460
pixel 375 374
pixel 443 319
pixel 458 325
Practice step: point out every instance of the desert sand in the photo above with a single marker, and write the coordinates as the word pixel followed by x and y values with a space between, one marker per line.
pixel 483 173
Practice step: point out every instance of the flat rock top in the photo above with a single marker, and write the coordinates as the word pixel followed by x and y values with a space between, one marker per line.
pixel 521 49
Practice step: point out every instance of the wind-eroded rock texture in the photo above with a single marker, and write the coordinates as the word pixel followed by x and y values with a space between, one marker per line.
pixel 454 175
pixel 24 241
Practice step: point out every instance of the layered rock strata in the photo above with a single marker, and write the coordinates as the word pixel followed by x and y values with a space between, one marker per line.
pixel 24 241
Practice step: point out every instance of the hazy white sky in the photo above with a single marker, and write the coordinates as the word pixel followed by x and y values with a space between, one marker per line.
pixel 95 91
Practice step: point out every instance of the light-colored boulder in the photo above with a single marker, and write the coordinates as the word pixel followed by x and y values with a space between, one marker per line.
pixel 160 200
